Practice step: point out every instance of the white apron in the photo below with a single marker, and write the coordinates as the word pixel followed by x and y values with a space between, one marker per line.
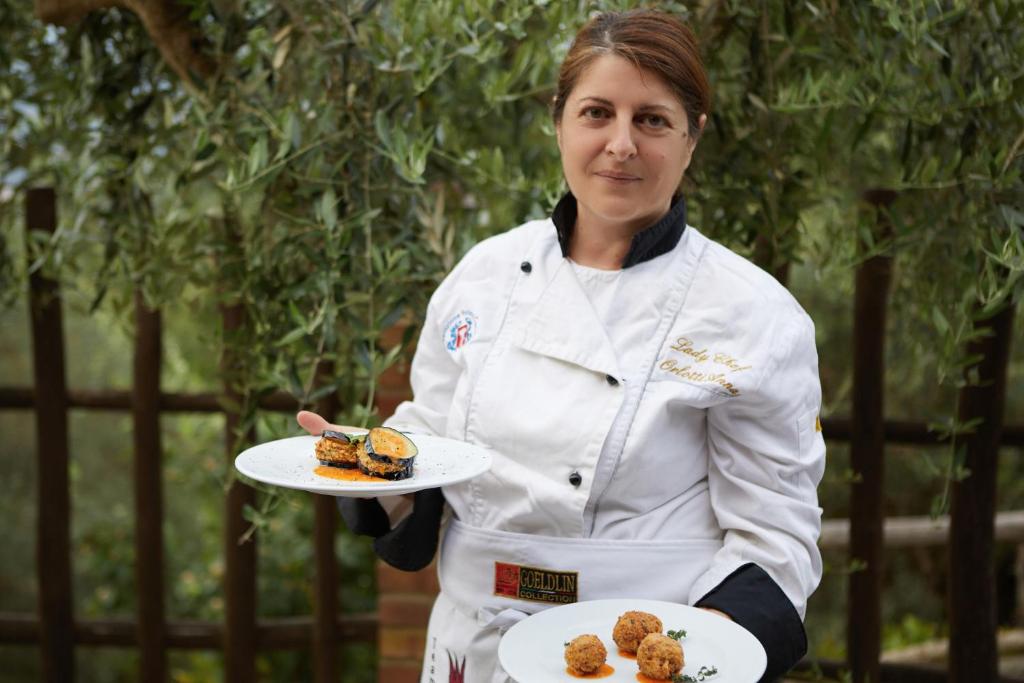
pixel 469 618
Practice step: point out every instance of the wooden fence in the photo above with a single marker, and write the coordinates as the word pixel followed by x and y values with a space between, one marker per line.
pixel 55 629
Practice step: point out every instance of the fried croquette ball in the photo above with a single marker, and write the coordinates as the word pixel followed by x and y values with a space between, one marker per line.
pixel 585 654
pixel 631 628
pixel 659 657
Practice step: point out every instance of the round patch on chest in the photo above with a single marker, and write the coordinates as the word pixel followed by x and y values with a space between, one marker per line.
pixel 460 330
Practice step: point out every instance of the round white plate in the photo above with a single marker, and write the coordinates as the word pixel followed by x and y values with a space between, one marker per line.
pixel 290 463
pixel 533 651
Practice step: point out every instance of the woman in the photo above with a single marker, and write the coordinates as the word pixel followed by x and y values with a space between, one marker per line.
pixel 650 397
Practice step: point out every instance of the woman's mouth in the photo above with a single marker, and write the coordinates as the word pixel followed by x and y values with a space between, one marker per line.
pixel 617 176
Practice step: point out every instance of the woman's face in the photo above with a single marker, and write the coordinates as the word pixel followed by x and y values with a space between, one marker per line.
pixel 625 144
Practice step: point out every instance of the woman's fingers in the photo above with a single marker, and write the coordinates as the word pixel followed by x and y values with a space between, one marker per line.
pixel 311 422
pixel 315 424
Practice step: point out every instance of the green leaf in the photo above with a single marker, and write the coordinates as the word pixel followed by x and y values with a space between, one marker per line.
pixel 323 391
pixel 757 102
pixel 292 132
pixel 257 156
pixel 292 336
pixel 383 130
pixel 206 151
pixel 85 52
pixel 328 209
pixel 941 324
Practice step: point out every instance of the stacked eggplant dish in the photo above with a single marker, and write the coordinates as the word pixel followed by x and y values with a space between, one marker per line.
pixel 383 452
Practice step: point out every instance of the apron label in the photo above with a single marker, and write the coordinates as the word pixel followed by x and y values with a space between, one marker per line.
pixel 532 583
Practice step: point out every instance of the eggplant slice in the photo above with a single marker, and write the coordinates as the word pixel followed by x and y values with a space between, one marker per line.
pixel 387 453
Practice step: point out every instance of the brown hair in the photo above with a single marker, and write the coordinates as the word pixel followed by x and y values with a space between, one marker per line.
pixel 654 41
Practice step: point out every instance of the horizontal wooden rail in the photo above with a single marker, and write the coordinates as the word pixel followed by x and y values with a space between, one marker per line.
pixel 286 633
pixel 1010 642
pixel 905 432
pixel 911 433
pixel 915 532
pixel 19 397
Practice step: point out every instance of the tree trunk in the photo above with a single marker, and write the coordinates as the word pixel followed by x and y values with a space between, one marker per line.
pixel 166 21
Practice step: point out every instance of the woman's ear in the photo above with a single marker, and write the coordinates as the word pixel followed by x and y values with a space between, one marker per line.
pixel 701 122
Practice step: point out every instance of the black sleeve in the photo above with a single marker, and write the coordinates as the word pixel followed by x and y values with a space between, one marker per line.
pixel 755 602
pixel 411 545
pixel 364 516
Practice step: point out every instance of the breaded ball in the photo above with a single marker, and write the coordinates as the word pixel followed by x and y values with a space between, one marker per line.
pixel 659 657
pixel 585 654
pixel 631 628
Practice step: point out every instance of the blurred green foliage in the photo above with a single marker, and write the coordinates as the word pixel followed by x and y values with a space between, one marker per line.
pixel 344 155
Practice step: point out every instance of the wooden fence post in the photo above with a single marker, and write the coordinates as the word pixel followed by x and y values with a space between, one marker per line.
pixel 973 650
pixel 149 509
pixel 239 556
pixel 867 455
pixel 325 593
pixel 53 535
pixel 1018 615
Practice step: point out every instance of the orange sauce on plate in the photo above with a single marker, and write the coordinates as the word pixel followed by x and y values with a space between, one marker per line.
pixel 344 474
pixel 603 672
pixel 626 655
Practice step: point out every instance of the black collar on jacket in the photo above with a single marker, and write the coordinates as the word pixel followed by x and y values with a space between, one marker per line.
pixel 652 241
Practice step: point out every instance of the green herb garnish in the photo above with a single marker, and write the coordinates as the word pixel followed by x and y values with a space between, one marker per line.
pixel 676 635
pixel 703 674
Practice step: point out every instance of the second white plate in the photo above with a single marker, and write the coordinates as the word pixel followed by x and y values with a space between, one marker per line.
pixel 533 651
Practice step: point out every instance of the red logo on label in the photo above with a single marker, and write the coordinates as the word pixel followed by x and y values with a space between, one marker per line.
pixel 506 579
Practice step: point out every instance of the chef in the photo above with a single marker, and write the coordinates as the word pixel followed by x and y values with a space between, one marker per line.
pixel 650 398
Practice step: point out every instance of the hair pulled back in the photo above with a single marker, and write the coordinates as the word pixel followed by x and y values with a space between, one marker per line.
pixel 656 42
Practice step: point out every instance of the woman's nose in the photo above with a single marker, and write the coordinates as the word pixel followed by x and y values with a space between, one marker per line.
pixel 621 144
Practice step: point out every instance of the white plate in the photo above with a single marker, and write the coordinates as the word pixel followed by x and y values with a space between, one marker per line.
pixel 290 463
pixel 533 651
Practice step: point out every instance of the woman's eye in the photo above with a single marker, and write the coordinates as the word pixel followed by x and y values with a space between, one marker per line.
pixel 653 120
pixel 594 113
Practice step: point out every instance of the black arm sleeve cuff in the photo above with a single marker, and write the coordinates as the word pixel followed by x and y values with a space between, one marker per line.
pixel 411 545
pixel 364 516
pixel 755 602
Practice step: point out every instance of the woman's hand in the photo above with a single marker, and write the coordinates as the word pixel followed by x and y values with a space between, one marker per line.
pixel 315 424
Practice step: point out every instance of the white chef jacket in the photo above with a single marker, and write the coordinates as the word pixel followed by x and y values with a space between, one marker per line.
pixel 708 435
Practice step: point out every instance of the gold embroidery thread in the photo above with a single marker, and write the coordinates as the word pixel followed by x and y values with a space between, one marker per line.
pixel 685 346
